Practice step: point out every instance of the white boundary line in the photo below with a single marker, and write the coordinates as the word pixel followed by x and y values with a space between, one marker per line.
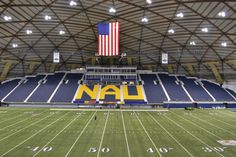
pixel 148 135
pixel 193 135
pixel 126 139
pixel 56 135
pixel 113 110
pixel 99 149
pixel 24 128
pixel 170 135
pixel 67 154
pixel 33 135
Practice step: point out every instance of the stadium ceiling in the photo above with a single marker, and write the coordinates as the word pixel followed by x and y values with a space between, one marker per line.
pixel 190 31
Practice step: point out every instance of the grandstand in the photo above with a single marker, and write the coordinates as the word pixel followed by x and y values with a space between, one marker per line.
pixel 117 78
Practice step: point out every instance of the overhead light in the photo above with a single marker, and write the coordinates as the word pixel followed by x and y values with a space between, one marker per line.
pixel 112 10
pixel 172 31
pixel 180 15
pixel 192 43
pixel 7 18
pixel 29 31
pixel 73 3
pixel 144 19
pixel 224 44
pixel 14 45
pixel 149 1
pixel 205 30
pixel 61 32
pixel 222 14
pixel 47 17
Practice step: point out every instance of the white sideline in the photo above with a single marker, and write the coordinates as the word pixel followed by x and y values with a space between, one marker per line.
pixel 99 149
pixel 148 135
pixel 33 135
pixel 170 135
pixel 194 136
pixel 126 139
pixel 56 135
pixel 24 128
pixel 113 110
pixel 80 135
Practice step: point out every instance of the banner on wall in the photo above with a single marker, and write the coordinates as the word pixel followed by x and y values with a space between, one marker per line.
pixel 164 58
pixel 56 57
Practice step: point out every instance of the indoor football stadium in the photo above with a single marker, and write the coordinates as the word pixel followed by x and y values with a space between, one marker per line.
pixel 118 78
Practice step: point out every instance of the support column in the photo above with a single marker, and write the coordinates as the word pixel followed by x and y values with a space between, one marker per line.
pixel 6 68
pixel 31 67
pixel 190 69
pixel 215 71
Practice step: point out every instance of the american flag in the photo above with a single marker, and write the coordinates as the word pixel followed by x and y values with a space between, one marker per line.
pixel 108 39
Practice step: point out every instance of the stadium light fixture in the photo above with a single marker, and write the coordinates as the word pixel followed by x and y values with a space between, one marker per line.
pixel 112 10
pixel 192 43
pixel 149 1
pixel 14 45
pixel 61 32
pixel 224 44
pixel 205 30
pixel 144 20
pixel 180 15
pixel 171 31
pixel 73 3
pixel 7 18
pixel 222 14
pixel 47 17
pixel 29 31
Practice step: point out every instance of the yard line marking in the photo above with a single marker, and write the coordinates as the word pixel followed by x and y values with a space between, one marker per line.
pixel 126 139
pixel 33 134
pixel 198 126
pixel 193 135
pixel 213 125
pixel 11 118
pixel 56 135
pixel 148 135
pixel 14 124
pixel 80 134
pixel 223 122
pixel 99 149
pixel 170 135
pixel 24 128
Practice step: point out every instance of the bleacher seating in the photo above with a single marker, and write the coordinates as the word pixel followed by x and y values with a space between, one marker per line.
pixel 46 88
pixel 217 92
pixel 195 89
pixel 67 89
pixel 231 92
pixel 24 89
pixel 7 87
pixel 174 90
pixel 63 87
pixel 154 93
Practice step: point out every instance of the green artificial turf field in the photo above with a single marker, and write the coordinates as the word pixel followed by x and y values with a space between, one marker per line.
pixel 62 133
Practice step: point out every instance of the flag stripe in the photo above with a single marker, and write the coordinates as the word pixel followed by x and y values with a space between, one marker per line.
pixel 108 41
